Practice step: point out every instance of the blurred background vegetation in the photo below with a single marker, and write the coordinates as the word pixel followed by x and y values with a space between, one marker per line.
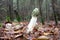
pixel 22 9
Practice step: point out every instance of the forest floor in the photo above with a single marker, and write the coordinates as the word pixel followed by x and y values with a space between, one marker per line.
pixel 46 28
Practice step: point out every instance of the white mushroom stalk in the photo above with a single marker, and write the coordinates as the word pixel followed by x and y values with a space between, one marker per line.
pixel 33 20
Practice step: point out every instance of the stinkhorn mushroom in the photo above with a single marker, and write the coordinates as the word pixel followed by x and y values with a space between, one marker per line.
pixel 33 20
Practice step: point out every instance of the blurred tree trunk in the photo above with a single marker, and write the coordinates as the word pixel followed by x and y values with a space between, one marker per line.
pixel 18 6
pixel 10 6
pixel 55 11
pixel 47 13
pixel 31 5
pixel 3 10
pixel 17 13
pixel 40 3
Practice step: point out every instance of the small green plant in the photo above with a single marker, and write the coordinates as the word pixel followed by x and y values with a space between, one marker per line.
pixel 0 24
pixel 42 20
pixel 8 18
pixel 19 18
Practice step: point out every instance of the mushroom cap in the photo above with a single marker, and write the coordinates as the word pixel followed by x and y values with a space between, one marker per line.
pixel 35 12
